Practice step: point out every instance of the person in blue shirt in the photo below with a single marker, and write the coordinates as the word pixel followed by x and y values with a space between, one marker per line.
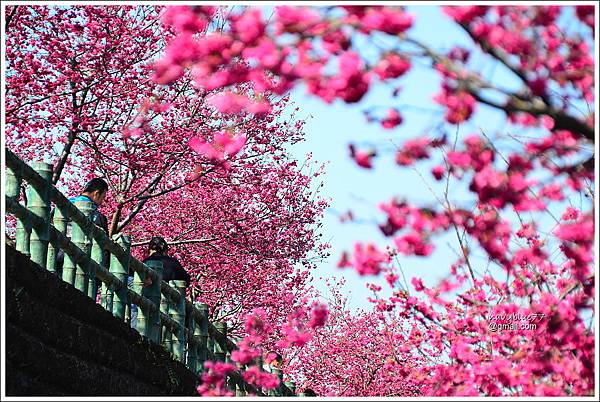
pixel 95 192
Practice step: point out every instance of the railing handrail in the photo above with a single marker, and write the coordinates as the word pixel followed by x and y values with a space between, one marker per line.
pixel 61 202
pixel 58 198
pixel 24 171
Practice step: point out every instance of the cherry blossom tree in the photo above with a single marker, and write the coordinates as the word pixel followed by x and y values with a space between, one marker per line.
pixel 361 353
pixel 71 73
pixel 243 222
pixel 183 111
pixel 261 336
pixel 519 323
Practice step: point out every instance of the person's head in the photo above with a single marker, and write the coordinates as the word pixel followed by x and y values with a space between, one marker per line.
pixel 96 190
pixel 274 359
pixel 157 245
pixel 309 392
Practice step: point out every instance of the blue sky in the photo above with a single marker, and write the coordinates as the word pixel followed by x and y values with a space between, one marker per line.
pixel 329 130
pixel 331 127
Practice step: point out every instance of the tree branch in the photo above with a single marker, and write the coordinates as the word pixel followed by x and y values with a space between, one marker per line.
pixel 64 156
pixel 473 83
pixel 13 11
pixel 176 243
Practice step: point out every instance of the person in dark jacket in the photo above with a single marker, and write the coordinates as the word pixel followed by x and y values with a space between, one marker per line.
pixel 172 269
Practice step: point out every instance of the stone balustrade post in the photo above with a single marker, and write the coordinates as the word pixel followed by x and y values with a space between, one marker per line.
pixel 177 313
pixel 38 202
pixel 155 296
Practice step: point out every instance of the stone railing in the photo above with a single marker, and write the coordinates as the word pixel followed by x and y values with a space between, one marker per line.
pixel 164 315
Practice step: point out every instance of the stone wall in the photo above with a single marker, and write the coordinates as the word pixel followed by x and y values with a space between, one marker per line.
pixel 59 342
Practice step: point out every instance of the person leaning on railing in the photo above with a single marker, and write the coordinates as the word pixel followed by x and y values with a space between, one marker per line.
pixel 172 269
pixel 95 192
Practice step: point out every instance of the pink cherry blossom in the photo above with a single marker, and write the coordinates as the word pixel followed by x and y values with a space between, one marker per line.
pixel 392 119
pixel 413 150
pixel 229 102
pixel 392 66
pixel 438 172
pixel 460 105
pixel 249 26
pixel 187 18
pixel 412 243
pixel 166 72
pixel 362 158
pixel 579 232
pixel 465 14
pixel 368 260
pixel 295 19
pixel 184 49
pixel 386 19
pixel 319 313
pixel 260 379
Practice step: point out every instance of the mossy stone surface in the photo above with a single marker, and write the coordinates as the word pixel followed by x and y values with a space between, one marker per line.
pixel 59 342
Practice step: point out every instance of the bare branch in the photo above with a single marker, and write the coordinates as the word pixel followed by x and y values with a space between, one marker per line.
pixel 176 243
